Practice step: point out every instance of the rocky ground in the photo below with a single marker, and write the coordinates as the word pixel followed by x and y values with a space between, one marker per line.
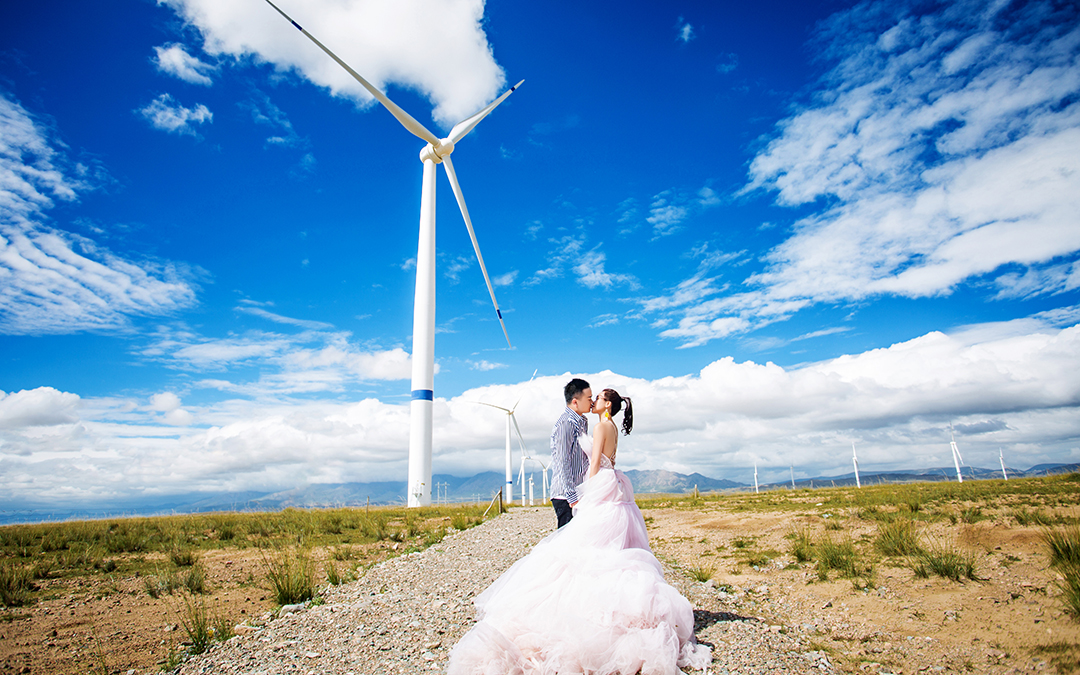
pixel 761 611
pixel 406 614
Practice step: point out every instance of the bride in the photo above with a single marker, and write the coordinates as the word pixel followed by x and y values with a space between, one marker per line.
pixel 591 597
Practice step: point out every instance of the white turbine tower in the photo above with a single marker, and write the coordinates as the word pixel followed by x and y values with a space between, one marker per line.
pixel 437 151
pixel 755 479
pixel 956 458
pixel 508 490
pixel 855 461
pixel 526 457
pixel 1001 458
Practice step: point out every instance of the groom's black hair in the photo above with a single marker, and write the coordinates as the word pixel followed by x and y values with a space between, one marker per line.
pixel 573 388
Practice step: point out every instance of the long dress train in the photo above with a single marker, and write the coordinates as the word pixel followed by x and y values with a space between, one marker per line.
pixel 590 598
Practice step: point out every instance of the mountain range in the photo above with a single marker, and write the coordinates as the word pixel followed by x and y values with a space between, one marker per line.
pixel 454 489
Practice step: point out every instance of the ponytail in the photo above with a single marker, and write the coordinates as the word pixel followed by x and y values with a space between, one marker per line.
pixel 617 403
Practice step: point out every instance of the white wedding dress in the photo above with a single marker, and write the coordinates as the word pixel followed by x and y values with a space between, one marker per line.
pixel 590 598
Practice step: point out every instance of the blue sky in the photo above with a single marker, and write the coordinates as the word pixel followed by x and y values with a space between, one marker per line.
pixel 780 227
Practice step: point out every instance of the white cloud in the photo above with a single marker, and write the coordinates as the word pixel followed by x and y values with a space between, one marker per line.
pixel 57 282
pixel 436 48
pixel 1003 386
pixel 287 320
pixel 727 63
pixel 166 114
pixel 39 407
pixel 591 273
pixel 505 279
pixel 941 149
pixel 284 364
pixel 456 266
pixel 174 60
pixel 266 113
pixel 670 208
pixel 684 31
pixel 485 366
pixel 566 253
pixel 166 401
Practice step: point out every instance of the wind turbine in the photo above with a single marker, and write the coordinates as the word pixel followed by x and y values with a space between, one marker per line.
pixel 1001 457
pixel 855 461
pixel 437 151
pixel 525 456
pixel 755 479
pixel 508 491
pixel 956 458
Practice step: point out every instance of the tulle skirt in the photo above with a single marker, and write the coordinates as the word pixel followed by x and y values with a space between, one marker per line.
pixel 590 598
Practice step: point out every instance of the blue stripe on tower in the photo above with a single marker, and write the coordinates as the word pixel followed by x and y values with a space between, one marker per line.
pixel 423 395
pixel 499 312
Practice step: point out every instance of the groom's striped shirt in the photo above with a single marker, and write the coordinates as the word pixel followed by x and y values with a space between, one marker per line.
pixel 568 461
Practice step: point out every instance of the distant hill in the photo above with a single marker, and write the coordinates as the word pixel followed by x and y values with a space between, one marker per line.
pixel 654 481
pixel 932 475
pixel 457 489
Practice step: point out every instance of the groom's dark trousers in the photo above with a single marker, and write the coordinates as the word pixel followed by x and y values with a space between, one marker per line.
pixel 563 512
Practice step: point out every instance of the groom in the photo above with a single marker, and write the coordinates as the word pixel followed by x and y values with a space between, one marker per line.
pixel 568 461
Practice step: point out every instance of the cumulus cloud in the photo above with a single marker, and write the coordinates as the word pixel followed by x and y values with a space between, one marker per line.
pixel 1001 386
pixel 940 149
pixel 166 114
pixel 53 281
pixel 166 401
pixel 436 48
pixel 173 59
pixel 39 407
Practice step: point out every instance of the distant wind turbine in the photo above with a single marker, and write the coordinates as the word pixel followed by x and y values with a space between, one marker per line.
pixel 437 151
pixel 508 490
pixel 755 478
pixel 855 461
pixel 956 458
pixel 1001 457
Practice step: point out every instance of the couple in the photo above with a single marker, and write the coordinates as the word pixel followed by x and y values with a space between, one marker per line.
pixel 591 597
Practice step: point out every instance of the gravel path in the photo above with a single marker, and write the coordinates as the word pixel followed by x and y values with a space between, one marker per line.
pixel 406 614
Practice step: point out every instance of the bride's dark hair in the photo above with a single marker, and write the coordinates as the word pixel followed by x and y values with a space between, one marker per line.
pixel 617 401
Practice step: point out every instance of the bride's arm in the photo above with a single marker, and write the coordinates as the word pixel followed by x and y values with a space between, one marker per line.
pixel 601 439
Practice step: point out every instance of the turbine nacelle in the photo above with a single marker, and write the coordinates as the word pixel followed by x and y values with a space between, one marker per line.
pixel 436 153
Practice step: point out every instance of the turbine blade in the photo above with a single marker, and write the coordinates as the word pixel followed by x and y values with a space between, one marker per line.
pixel 462 128
pixel 492 405
pixel 407 120
pixel 521 439
pixel 452 175
pixel 523 393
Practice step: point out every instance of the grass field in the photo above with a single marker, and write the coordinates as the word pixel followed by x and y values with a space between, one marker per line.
pixel 989 570
pixel 109 595
pixel 94 596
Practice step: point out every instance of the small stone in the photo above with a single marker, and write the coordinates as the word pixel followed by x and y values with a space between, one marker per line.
pixel 428 656
pixel 312 655
pixel 827 605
